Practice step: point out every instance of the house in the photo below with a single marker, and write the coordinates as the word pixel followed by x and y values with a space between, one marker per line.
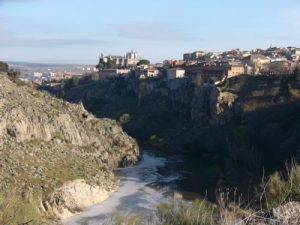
pixel 175 73
pixel 212 71
pixel 297 51
pixel 259 62
pixel 193 56
pixel 232 55
pixel 111 73
pixel 295 58
pixel 236 68
pixel 198 54
pixel 146 72
pixel 37 74
pixel 173 63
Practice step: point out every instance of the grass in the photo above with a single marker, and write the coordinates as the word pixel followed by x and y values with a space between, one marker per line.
pixel 282 188
pixel 41 172
pixel 127 219
pixel 200 212
pixel 20 209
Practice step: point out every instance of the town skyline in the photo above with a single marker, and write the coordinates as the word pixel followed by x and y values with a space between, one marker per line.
pixel 78 31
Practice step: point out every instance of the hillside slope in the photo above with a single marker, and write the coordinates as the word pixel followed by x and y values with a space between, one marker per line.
pixel 47 148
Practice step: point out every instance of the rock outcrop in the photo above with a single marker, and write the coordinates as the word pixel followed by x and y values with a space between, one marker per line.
pixel 74 197
pixel 45 143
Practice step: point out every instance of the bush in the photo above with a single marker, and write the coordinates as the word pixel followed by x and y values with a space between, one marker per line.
pixel 125 118
pixel 14 75
pixel 3 67
pixel 124 219
pixel 280 189
pixel 200 212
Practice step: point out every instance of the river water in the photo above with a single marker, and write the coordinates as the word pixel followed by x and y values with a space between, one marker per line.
pixel 141 188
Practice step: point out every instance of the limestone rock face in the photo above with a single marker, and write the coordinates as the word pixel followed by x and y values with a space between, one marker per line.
pixel 210 102
pixel 223 106
pixel 74 197
pixel 46 143
pixel 30 115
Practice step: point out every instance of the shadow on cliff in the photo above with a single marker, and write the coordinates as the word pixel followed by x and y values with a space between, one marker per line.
pixel 263 132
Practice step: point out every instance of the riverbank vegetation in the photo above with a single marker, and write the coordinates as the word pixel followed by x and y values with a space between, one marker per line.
pixel 277 202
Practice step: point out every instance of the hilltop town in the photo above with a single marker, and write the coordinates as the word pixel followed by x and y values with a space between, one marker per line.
pixel 211 66
pixel 206 67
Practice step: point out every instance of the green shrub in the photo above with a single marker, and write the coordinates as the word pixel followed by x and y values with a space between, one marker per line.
pixel 3 67
pixel 125 118
pixel 280 189
pixel 200 212
pixel 124 219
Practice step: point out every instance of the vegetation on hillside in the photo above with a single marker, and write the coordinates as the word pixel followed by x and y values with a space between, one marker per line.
pixel 143 62
pixel 45 143
pixel 3 67
pixel 13 75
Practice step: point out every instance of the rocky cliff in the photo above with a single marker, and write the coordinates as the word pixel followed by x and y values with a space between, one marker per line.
pixel 246 124
pixel 46 143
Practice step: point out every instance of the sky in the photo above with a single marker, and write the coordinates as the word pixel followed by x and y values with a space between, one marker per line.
pixel 77 31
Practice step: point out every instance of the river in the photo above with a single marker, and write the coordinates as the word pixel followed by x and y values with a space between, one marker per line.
pixel 141 188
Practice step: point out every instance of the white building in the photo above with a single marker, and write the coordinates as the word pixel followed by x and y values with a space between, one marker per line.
pixel 175 73
pixel 297 51
pixel 143 73
pixel 37 74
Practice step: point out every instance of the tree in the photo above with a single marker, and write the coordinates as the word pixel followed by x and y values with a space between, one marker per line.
pixel 297 72
pixel 143 62
pixel 14 75
pixel 71 83
pixel 61 93
pixel 124 118
pixel 296 75
pixel 109 64
pixel 74 81
pixel 3 67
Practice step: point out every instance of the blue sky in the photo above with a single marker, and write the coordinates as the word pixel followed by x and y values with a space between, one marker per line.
pixel 77 31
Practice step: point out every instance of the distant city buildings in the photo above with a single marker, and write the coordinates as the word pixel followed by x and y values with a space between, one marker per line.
pixel 146 71
pixel 206 67
pixel 46 75
pixel 214 66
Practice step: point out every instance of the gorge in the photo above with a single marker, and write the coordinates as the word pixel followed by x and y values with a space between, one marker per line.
pixel 227 135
